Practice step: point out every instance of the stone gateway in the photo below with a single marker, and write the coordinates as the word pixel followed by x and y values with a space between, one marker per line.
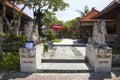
pixel 98 53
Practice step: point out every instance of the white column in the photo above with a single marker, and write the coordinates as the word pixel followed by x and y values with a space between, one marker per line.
pixel 30 60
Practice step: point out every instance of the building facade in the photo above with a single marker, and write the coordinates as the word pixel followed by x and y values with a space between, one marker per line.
pixel 87 23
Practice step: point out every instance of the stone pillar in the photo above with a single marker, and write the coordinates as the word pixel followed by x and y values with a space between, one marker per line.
pixel 29 30
pixel 1 24
pixel 30 59
pixel 99 55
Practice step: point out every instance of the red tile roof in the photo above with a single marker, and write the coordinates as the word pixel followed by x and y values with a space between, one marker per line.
pixel 9 4
pixel 88 17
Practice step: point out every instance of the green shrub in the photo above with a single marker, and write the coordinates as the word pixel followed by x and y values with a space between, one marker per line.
pixel 3 34
pixel 74 35
pixel 13 43
pixel 115 50
pixel 56 40
pixel 50 35
pixel 11 61
pixel 45 49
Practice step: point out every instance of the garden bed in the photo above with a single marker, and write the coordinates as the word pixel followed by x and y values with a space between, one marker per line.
pixel 115 57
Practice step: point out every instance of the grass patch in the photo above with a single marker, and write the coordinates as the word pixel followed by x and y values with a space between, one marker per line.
pixel 115 50
pixel 56 40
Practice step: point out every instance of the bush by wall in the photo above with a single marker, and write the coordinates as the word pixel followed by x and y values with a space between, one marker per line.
pixel 11 61
pixel 50 35
pixel 13 43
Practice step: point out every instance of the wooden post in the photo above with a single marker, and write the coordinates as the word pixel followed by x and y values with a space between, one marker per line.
pixel 1 30
pixel 1 24
pixel 118 25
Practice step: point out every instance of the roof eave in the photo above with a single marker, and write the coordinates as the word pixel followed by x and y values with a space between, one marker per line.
pixel 110 7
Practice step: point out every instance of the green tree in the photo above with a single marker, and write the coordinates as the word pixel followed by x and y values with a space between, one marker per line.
pixel 83 13
pixel 13 22
pixel 40 9
pixel 50 21
pixel 72 25
pixel 46 9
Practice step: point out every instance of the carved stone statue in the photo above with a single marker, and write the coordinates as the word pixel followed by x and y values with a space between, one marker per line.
pixel 35 37
pixel 99 33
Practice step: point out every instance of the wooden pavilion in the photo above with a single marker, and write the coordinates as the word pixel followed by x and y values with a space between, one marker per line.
pixel 87 23
pixel 112 11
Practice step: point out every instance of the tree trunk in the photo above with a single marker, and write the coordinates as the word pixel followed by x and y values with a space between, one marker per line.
pixel 4 15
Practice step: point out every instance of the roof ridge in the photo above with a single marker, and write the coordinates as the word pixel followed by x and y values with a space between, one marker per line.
pixel 89 13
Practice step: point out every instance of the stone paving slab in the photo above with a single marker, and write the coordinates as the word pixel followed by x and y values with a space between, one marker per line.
pixel 82 50
pixel 64 52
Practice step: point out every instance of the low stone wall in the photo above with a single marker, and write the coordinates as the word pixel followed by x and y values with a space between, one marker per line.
pixel 30 59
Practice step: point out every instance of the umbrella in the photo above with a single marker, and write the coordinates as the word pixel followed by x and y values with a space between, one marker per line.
pixel 57 27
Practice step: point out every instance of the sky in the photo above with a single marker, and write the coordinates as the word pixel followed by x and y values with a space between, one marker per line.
pixel 71 13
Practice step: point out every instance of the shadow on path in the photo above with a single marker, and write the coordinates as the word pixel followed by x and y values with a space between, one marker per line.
pixel 13 75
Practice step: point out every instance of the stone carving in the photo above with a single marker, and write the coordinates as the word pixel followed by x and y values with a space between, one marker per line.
pixel 99 34
pixel 29 31
pixel 33 34
pixel 35 37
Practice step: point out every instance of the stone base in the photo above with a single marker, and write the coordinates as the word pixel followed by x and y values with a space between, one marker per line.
pixel 30 59
pixel 99 58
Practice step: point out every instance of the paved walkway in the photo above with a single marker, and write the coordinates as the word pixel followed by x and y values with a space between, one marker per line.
pixel 68 42
pixel 72 42
pixel 65 52
pixel 65 57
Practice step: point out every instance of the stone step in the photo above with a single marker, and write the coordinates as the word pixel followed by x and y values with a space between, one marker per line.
pixel 63 45
pixel 64 71
pixel 65 68
pixel 64 61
